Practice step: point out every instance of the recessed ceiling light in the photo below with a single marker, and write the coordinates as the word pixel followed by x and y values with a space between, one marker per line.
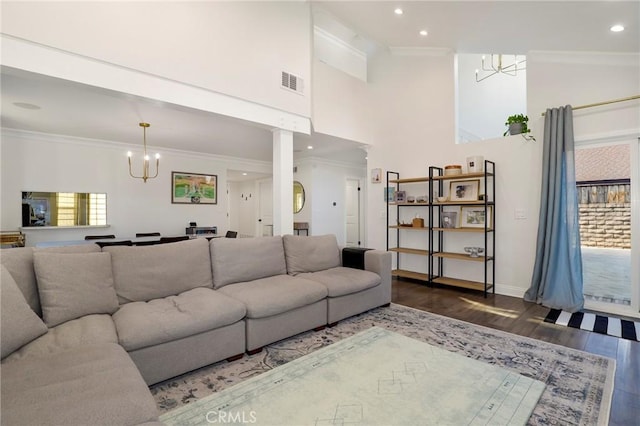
pixel 310 147
pixel 423 33
pixel 26 105
pixel 244 173
pixel 398 11
pixel 617 28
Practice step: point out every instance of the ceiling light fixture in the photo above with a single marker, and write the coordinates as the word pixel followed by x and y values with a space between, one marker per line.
pixel 309 146
pixel 617 28
pixel 398 11
pixel 423 33
pixel 496 67
pixel 145 165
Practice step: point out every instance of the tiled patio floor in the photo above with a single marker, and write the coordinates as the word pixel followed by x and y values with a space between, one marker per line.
pixel 607 274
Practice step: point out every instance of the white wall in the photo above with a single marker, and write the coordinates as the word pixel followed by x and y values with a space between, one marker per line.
pixel 325 183
pixel 37 162
pixel 220 46
pixel 340 106
pixel 243 204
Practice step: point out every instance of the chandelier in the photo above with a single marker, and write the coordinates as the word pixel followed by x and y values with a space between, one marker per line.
pixel 496 66
pixel 145 165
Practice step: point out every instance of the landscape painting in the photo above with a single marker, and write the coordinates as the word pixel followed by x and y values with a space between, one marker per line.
pixel 193 188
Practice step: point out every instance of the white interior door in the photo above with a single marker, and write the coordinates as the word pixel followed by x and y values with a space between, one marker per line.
pixel 352 214
pixel 265 208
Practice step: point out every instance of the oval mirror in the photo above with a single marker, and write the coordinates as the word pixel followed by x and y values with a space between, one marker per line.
pixel 298 196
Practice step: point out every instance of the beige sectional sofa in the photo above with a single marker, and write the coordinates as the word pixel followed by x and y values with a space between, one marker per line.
pixel 85 331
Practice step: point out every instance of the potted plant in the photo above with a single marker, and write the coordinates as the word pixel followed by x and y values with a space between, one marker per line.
pixel 517 124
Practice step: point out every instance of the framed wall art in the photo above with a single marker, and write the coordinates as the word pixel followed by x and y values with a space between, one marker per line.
pixel 194 188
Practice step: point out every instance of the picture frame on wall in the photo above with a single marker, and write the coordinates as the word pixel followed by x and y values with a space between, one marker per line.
pixel 376 175
pixel 464 190
pixel 194 188
pixel 476 216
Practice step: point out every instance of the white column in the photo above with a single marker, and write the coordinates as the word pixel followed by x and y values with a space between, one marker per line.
pixel 282 182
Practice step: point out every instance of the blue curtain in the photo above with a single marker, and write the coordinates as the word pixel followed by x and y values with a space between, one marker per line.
pixel 557 273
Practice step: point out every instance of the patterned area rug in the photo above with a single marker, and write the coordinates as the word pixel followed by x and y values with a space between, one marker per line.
pixel 578 384
pixel 602 324
pixel 375 377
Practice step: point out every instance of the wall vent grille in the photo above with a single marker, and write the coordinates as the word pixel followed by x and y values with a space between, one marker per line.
pixel 292 82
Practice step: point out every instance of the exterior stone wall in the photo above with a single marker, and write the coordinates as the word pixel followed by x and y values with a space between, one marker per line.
pixel 605 216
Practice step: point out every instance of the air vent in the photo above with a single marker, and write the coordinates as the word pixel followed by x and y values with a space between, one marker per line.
pixel 292 82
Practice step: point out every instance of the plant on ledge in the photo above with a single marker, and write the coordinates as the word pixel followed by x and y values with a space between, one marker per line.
pixel 518 124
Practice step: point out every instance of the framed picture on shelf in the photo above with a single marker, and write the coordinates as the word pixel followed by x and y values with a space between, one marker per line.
pixel 194 188
pixel 449 219
pixel 475 217
pixel 388 193
pixel 464 190
pixel 400 196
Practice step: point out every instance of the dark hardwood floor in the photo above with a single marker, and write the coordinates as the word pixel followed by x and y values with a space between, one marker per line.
pixel 516 316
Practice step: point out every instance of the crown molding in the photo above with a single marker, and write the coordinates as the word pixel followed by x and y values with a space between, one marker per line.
pixel 420 51
pixel 586 58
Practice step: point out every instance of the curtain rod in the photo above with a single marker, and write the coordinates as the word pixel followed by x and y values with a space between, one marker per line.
pixel 630 98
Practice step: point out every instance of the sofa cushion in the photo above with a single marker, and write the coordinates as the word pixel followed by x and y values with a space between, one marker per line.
pixel 18 322
pixel 92 385
pixel 311 254
pixel 142 324
pixel 84 331
pixel 246 259
pixel 152 272
pixel 341 281
pixel 274 295
pixel 74 285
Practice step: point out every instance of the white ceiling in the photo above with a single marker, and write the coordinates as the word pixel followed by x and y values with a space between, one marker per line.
pixel 474 26
pixel 68 108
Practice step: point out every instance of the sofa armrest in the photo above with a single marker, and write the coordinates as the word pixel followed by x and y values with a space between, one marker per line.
pixel 378 261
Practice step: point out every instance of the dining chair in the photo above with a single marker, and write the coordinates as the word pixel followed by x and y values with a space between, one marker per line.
pixel 98 237
pixel 114 243
pixel 164 240
pixel 147 234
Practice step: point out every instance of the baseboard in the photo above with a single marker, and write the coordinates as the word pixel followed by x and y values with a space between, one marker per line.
pixel 510 290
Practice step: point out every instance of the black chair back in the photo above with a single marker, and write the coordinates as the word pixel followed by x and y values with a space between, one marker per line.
pixel 98 237
pixel 147 234
pixel 114 243
pixel 164 240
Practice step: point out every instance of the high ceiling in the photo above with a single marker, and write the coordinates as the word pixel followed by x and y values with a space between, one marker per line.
pixel 72 109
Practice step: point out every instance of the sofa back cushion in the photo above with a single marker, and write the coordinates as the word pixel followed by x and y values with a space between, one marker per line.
pixel 236 260
pixel 143 273
pixel 74 285
pixel 19 262
pixel 311 254
pixel 19 323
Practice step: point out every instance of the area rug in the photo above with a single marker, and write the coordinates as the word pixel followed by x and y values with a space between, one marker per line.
pixel 375 377
pixel 602 324
pixel 578 389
